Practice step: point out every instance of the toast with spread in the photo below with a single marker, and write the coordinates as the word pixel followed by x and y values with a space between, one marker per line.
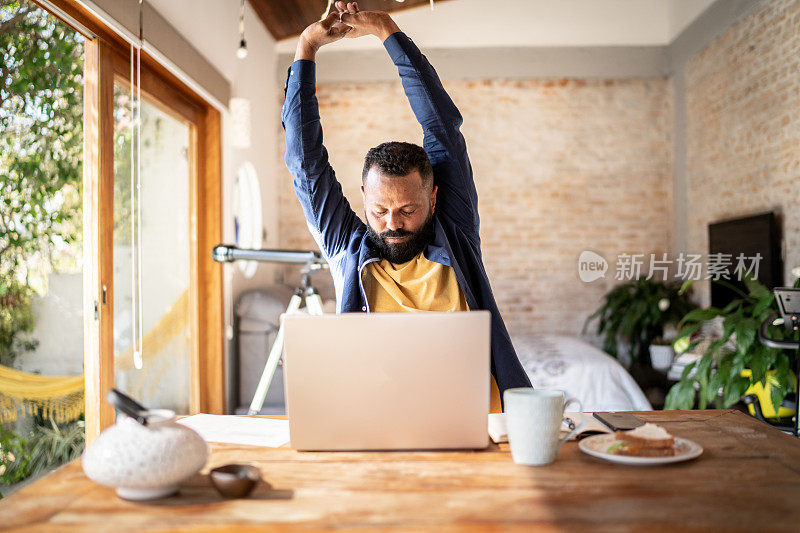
pixel 649 440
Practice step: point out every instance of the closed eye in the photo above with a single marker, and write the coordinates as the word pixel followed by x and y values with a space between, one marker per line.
pixel 406 212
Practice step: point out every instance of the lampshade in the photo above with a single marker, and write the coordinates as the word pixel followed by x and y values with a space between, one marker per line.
pixel 240 122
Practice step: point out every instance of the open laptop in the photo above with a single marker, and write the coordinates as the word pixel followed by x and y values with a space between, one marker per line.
pixel 387 381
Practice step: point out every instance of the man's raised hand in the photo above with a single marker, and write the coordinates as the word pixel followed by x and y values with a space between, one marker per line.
pixel 320 33
pixel 377 23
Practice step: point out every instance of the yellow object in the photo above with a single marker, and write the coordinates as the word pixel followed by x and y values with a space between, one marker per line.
pixel 166 346
pixel 763 394
pixel 171 324
pixel 418 285
pixel 59 398
pixel 494 396
pixel 681 345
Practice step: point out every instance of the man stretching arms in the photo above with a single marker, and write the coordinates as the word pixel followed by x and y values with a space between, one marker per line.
pixel 420 248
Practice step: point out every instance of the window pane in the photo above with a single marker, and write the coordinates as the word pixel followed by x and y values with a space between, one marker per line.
pixel 164 379
pixel 41 282
pixel 41 118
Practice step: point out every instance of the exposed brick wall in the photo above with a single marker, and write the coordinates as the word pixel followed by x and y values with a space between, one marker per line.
pixel 561 166
pixel 743 126
pixel 565 165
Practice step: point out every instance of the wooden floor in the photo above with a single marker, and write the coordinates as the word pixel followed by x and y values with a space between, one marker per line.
pixel 748 479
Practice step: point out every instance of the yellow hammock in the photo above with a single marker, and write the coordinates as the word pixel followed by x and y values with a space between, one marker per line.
pixel 59 398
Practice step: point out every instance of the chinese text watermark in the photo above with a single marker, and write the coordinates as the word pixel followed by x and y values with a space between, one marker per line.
pixel 686 266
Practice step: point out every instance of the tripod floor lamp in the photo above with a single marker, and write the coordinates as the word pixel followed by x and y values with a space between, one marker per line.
pixel 312 262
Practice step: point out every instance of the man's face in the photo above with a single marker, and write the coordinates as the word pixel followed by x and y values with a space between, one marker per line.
pixel 399 213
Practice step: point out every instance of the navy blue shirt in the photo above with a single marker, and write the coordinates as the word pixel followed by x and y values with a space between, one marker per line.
pixel 342 236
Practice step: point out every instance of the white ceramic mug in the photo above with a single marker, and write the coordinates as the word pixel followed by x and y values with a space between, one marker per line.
pixel 533 419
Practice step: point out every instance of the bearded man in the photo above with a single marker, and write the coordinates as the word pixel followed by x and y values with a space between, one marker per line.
pixel 420 248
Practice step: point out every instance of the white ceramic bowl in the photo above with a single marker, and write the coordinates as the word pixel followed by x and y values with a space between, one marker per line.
pixel 145 462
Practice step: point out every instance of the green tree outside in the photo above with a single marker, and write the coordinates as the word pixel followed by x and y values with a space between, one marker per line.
pixel 41 136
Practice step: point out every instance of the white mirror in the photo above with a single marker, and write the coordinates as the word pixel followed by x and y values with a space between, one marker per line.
pixel 247 214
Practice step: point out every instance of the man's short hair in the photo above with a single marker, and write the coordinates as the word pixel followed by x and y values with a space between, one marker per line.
pixel 397 158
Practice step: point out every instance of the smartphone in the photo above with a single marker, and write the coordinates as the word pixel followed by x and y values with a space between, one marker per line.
pixel 619 421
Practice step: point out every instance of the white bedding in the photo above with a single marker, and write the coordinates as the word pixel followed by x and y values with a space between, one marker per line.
pixel 581 370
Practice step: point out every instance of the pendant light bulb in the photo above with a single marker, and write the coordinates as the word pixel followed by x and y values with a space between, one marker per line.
pixel 241 53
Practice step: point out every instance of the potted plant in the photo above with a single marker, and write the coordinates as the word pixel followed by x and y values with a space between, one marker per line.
pixel 636 313
pixel 661 353
pixel 736 360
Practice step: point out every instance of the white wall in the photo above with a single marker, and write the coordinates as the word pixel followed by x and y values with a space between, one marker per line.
pixel 58 328
pixel 681 13
pixel 211 26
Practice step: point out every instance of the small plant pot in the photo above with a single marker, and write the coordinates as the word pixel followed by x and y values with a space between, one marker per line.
pixel 661 356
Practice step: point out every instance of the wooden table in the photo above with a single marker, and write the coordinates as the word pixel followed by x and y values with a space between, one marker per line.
pixel 748 479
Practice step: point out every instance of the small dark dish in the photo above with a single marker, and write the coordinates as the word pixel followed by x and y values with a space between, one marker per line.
pixel 235 481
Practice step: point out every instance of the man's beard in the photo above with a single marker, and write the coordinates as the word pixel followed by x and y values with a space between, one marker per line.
pixel 402 252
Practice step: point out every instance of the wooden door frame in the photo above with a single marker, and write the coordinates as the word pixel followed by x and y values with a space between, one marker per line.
pixel 107 56
pixel 98 268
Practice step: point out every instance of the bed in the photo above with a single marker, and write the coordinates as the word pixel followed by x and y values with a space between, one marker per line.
pixel 581 370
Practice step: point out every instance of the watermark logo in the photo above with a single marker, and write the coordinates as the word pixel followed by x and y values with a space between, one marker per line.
pixel 716 267
pixel 591 266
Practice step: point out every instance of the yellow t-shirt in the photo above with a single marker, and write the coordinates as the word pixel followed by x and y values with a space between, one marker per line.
pixel 418 285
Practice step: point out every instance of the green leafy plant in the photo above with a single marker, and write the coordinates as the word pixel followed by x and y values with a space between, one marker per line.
pixel 47 446
pixel 56 444
pixel 14 457
pixel 16 319
pixel 716 378
pixel 41 110
pixel 637 312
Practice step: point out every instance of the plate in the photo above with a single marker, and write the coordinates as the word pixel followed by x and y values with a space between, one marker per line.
pixel 597 445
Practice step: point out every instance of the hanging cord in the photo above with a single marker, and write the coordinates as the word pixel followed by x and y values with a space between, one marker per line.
pixel 137 345
pixel 241 53
pixel 136 360
pixel 241 21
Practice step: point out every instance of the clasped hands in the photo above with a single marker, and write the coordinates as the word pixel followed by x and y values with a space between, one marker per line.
pixel 346 21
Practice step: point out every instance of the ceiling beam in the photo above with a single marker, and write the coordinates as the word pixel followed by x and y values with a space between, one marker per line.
pixel 288 18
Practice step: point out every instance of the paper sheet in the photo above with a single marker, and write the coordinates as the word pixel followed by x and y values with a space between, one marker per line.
pixel 239 429
pixel 499 433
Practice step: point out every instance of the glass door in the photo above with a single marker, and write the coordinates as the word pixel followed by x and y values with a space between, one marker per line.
pixel 154 326
pixel 151 254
